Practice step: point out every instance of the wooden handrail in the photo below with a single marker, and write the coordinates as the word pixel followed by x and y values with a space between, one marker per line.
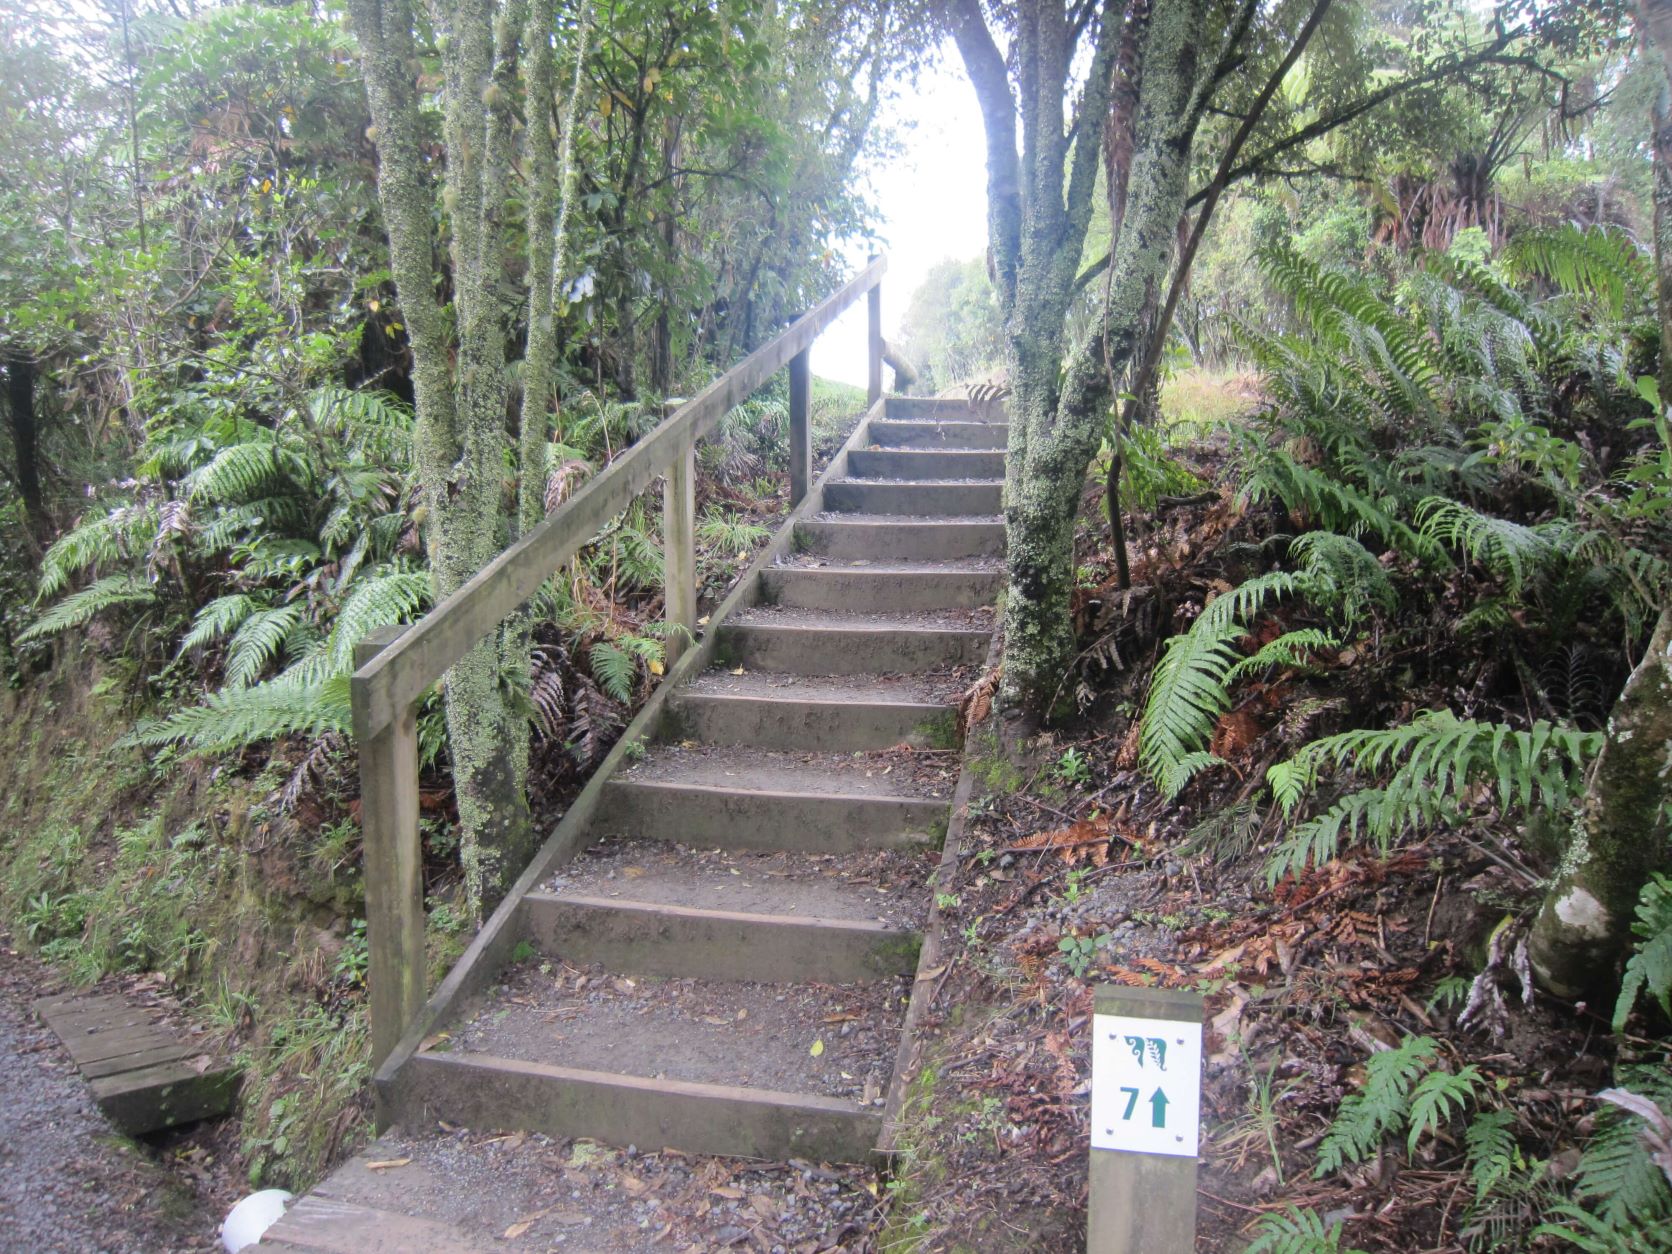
pixel 393 669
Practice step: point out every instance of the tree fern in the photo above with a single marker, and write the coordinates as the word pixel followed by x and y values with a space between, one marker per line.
pixel 80 608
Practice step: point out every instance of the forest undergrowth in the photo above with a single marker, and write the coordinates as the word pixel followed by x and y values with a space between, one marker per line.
pixel 1322 760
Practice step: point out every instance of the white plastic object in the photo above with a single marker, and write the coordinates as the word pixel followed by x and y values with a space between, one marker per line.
pixel 246 1221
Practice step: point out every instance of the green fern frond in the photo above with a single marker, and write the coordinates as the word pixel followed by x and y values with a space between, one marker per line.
pixel 1618 1178
pixel 615 669
pixel 1490 1150
pixel 1433 761
pixel 1649 968
pixel 240 471
pixel 1592 1234
pixel 219 618
pixel 257 642
pixel 98 542
pixel 375 601
pixel 1510 550
pixel 1599 262
pixel 1189 688
pixel 237 717
pixel 80 608
pixel 1288 651
pixel 1437 1098
pixel 1381 1107
pixel 1297 1231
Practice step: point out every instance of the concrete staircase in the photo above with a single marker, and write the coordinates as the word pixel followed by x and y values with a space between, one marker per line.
pixel 724 965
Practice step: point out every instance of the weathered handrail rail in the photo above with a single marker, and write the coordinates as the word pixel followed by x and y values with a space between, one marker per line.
pixel 395 669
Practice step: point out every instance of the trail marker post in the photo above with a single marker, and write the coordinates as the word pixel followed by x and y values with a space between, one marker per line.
pixel 1146 1095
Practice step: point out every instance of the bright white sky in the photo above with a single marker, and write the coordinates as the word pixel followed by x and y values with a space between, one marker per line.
pixel 933 201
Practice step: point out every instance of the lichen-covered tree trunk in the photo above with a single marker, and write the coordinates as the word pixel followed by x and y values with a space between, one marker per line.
pixel 1056 413
pixel 459 380
pixel 1620 836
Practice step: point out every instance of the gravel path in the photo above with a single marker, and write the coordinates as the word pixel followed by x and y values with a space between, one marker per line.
pixel 69 1184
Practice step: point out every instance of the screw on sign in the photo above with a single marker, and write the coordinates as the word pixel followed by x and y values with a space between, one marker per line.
pixel 1145 1085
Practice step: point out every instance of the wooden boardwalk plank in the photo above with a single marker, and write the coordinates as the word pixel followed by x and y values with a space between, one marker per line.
pixel 337 1227
pixel 142 1076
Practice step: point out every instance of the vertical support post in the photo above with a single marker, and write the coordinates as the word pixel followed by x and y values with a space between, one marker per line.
pixel 1146 1115
pixel 801 434
pixel 394 866
pixel 679 549
pixel 873 309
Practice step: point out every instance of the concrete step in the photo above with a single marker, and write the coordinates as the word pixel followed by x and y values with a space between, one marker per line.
pixel 882 538
pixel 921 464
pixel 897 586
pixel 484 1091
pixel 751 799
pixel 815 642
pixel 947 408
pixel 658 939
pixel 912 433
pixel 919 499
pixel 759 1069
pixel 831 714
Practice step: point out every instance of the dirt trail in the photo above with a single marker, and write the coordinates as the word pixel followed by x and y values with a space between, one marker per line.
pixel 69 1183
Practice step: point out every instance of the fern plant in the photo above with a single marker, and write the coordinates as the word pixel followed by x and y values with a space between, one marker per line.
pixel 1191 686
pixel 1429 764
pixel 1297 1231
pixel 1404 1090
pixel 1649 969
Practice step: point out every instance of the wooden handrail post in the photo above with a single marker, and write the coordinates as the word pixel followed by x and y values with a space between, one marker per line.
pixel 679 549
pixel 873 310
pixel 394 866
pixel 801 428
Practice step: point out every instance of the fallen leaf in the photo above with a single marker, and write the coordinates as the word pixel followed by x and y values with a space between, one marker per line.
pixel 843 1017
pixel 818 1047
pixel 384 1164
pixel 728 1192
pixel 523 1225
pixel 931 973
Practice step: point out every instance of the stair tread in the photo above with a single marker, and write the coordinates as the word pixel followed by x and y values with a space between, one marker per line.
pixel 979 618
pixel 890 566
pixel 903 776
pixel 874 886
pixel 940 687
pixel 915 520
pixel 962 481
pixel 750 1035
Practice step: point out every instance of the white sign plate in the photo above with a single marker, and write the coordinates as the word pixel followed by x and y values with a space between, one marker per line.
pixel 1146 1085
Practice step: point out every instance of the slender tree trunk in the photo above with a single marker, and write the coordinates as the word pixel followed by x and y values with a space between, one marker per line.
pixel 20 416
pixel 1621 835
pixel 460 435
pixel 1057 416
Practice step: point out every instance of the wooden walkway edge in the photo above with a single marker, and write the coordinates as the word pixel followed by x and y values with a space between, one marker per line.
pixel 142 1075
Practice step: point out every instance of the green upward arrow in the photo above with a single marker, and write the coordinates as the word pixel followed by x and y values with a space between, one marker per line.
pixel 1158 1109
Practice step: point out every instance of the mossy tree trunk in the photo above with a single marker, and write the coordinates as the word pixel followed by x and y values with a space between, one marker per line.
pixel 1039 205
pixel 460 365
pixel 1620 836
pixel 1622 831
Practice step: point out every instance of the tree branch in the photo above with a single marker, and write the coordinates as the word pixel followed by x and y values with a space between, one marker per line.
pixel 985 67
